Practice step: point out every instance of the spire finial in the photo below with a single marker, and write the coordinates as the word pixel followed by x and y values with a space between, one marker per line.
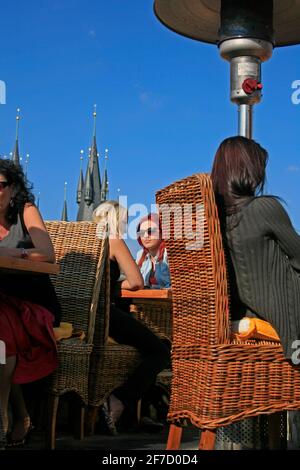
pixel 65 191
pixel 17 123
pixel 105 158
pixel 26 163
pixel 64 215
pixel 81 158
pixel 95 116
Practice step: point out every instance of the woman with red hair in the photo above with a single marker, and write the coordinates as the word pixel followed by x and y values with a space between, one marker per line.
pixel 152 258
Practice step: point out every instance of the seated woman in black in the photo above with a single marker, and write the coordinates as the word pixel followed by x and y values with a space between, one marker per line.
pixel 123 327
pixel 261 242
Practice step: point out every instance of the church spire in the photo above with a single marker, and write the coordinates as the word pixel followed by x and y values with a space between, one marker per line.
pixel 88 188
pixel 16 154
pixel 80 181
pixel 38 200
pixel 26 164
pixel 64 215
pixel 104 186
pixel 94 164
pixel 91 191
pixel 95 120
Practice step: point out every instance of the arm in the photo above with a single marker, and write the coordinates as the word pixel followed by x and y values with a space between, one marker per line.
pixel 120 252
pixel 43 249
pixel 280 228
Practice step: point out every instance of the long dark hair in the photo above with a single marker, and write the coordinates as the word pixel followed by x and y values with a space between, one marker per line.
pixel 238 173
pixel 22 189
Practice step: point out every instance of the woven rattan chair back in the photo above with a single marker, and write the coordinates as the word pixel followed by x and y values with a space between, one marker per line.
pixel 216 381
pixel 197 266
pixel 78 253
pixel 81 256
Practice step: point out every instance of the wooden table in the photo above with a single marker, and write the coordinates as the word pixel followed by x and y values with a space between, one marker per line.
pixel 9 263
pixel 154 308
pixel 146 294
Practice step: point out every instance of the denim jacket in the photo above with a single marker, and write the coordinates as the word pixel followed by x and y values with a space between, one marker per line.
pixel 162 273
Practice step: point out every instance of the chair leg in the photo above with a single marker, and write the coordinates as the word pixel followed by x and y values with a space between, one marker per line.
pixel 274 431
pixel 53 401
pixel 138 411
pixel 77 409
pixel 174 437
pixel 91 420
pixel 207 440
pixel 79 423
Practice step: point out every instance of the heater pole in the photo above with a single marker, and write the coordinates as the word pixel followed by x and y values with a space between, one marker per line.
pixel 245 112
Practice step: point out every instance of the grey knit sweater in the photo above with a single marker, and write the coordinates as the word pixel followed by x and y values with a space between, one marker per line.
pixel 265 252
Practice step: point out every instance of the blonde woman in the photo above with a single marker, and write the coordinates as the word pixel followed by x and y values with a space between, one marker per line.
pixel 124 327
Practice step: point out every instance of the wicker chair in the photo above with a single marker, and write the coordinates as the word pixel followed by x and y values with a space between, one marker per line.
pixel 157 315
pixel 81 257
pixel 111 363
pixel 216 381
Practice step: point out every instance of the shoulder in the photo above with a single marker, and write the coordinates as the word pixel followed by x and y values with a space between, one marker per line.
pixel 32 216
pixel 266 203
pixel 268 209
pixel 30 208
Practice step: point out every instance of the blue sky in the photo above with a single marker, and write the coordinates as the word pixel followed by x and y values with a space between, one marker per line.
pixel 163 100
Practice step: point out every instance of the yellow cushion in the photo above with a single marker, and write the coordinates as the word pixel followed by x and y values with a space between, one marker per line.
pixel 110 340
pixel 64 330
pixel 247 328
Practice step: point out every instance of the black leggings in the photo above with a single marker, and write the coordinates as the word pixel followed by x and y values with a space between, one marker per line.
pixel 126 329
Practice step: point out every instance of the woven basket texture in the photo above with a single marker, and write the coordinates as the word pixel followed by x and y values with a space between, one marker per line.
pixel 216 381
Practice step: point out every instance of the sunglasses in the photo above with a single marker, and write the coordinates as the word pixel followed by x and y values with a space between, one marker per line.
pixel 4 184
pixel 150 231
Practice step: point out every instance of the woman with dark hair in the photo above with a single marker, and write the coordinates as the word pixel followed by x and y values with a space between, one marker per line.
pixel 152 259
pixel 28 304
pixel 260 240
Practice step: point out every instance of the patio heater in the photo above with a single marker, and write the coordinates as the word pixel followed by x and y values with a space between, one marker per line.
pixel 245 31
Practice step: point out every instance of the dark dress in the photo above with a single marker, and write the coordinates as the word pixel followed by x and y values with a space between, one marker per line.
pixel 155 355
pixel 28 309
pixel 265 252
